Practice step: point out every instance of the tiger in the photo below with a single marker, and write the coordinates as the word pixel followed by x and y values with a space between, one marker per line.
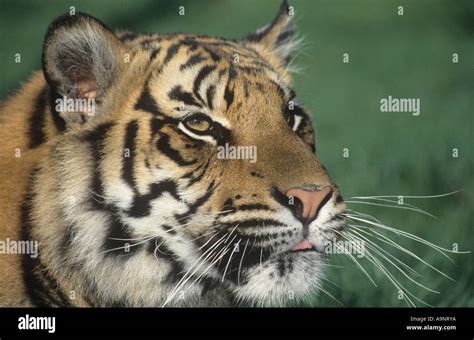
pixel 130 204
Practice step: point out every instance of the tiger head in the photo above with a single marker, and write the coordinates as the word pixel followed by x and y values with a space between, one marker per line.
pixel 195 170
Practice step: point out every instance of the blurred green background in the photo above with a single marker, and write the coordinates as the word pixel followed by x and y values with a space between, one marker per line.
pixel 407 56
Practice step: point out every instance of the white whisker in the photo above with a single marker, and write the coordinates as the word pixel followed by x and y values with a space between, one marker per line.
pixel 186 276
pixel 393 206
pixel 416 197
pixel 230 258
pixel 240 263
pixel 377 249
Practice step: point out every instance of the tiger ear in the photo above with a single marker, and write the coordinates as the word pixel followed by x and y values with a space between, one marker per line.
pixel 278 36
pixel 80 61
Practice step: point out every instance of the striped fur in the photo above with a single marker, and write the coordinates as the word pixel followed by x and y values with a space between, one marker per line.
pixel 131 208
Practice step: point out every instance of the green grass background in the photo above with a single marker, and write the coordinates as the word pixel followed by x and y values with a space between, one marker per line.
pixel 390 153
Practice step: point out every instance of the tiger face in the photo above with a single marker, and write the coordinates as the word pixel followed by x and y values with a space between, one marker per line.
pixel 193 179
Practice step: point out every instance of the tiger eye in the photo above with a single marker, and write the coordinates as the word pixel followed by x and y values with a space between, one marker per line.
pixel 197 124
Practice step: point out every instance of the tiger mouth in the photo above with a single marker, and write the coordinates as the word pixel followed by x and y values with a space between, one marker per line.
pixel 304 246
pixel 308 250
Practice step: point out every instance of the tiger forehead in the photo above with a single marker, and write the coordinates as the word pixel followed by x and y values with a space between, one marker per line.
pixel 208 47
pixel 208 74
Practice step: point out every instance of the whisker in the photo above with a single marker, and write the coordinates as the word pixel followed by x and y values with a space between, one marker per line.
pixel 127 246
pixel 416 197
pixel 394 207
pixel 358 265
pixel 227 246
pixel 377 249
pixel 230 258
pixel 358 213
pixel 186 276
pixel 389 241
pixel 414 272
pixel 330 295
pixel 214 260
pixel 411 236
pixel 203 235
pixel 209 240
pixel 387 274
pixel 240 263
pixel 332 282
pixel 394 202
pixel 391 277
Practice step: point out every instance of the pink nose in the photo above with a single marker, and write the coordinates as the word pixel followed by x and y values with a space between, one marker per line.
pixel 312 201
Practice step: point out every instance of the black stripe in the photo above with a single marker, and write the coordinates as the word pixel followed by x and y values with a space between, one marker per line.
pixel 146 43
pixel 336 218
pixel 146 102
pixel 170 230
pixel 247 207
pixel 203 73
pixel 228 93
pixel 141 203
pixel 198 177
pixel 118 238
pixel 128 162
pixel 195 59
pixel 35 290
pixel 163 144
pixel 58 121
pixel 228 96
pixel 96 139
pixel 192 172
pixel 257 222
pixel 281 267
pixel 155 125
pixel 178 94
pixel 36 134
pixel 214 56
pixel 129 36
pixel 153 54
pixel 284 37
pixel 117 229
pixel 280 197
pixel 42 289
pixel 232 73
pixel 280 90
pixel 210 93
pixel 183 218
pixel 246 89
pixel 172 50
pixel 257 236
pixel 251 70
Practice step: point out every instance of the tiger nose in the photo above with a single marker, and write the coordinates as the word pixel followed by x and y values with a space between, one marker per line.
pixel 309 203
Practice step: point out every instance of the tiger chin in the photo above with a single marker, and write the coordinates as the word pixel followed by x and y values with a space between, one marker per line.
pixel 128 199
